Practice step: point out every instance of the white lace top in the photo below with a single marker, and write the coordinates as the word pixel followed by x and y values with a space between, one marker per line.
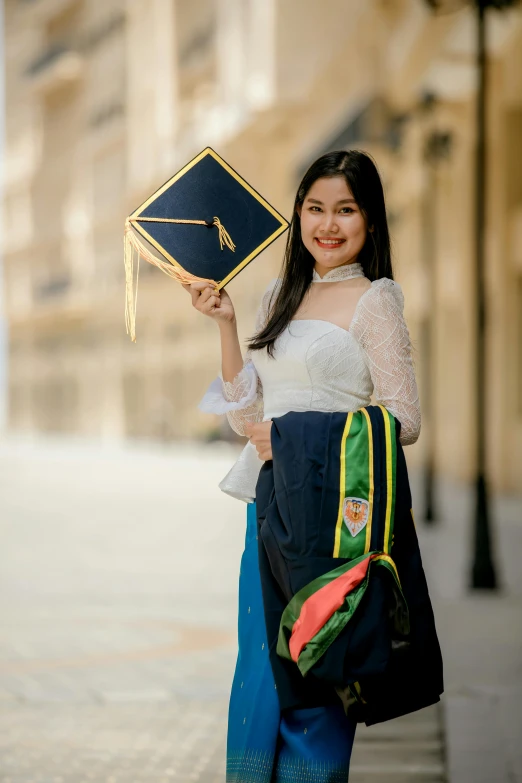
pixel 321 366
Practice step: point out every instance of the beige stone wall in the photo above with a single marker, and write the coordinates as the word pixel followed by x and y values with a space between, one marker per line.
pixel 106 100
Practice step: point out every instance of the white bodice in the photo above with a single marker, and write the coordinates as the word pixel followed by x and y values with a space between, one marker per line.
pixel 320 366
pixel 312 361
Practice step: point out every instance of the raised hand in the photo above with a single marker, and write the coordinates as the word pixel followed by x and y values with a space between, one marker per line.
pixel 216 304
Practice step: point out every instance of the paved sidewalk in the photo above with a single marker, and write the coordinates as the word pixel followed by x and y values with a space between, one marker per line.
pixel 481 637
pixel 406 750
pixel 118 574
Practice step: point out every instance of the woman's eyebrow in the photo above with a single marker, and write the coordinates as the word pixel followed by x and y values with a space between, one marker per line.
pixel 342 201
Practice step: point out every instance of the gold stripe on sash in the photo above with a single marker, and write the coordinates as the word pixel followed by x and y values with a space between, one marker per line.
pixel 389 478
pixel 370 482
pixel 342 486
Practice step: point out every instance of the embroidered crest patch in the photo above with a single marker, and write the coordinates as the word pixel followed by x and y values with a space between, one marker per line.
pixel 355 514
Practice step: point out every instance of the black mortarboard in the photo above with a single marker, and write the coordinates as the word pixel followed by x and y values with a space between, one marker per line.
pixel 205 223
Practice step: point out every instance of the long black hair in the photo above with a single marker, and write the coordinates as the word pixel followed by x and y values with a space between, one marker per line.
pixel 364 181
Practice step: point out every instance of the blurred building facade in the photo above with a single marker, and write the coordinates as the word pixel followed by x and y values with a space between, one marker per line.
pixel 106 100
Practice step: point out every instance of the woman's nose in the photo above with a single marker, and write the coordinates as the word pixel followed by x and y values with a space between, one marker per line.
pixel 328 224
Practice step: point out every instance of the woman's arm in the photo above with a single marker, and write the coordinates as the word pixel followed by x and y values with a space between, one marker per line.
pixel 231 356
pixel 381 330
pixel 238 392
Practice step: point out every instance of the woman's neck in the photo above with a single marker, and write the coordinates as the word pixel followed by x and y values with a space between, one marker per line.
pixel 341 272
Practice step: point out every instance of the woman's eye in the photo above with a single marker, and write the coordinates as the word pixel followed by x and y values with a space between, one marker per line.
pixel 347 210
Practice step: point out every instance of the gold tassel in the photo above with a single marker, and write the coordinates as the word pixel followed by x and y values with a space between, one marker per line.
pixel 130 298
pixel 224 236
pixel 134 249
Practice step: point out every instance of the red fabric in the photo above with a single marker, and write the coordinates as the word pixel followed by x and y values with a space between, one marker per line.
pixel 317 609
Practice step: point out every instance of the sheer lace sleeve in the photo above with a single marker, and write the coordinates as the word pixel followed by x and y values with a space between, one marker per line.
pixel 380 329
pixel 241 399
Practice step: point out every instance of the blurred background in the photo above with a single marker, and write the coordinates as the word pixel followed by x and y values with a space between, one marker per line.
pixel 106 460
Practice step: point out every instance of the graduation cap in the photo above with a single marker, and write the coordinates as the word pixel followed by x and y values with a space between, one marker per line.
pixel 206 223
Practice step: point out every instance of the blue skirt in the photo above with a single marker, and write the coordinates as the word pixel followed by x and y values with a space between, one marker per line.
pixel 265 745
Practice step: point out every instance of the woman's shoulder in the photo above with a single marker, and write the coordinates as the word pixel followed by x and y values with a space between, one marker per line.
pixel 382 303
pixel 384 292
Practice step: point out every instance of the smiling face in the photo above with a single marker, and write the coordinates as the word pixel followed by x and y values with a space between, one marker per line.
pixel 333 227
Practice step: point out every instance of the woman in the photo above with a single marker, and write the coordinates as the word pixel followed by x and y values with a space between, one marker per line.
pixel 329 333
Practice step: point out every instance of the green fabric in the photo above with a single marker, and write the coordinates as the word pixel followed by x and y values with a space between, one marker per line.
pixel 293 609
pixel 392 446
pixel 335 624
pixel 355 482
